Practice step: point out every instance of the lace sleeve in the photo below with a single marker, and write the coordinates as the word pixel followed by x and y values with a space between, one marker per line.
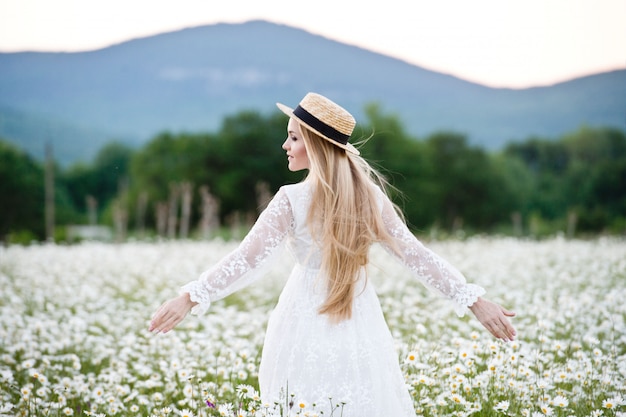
pixel 432 270
pixel 249 261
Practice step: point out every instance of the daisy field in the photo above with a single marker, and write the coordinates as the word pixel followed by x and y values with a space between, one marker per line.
pixel 74 339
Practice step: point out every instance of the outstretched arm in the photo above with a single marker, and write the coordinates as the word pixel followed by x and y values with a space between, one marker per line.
pixel 437 274
pixel 236 270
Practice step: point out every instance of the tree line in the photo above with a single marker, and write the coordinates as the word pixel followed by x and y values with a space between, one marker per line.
pixel 196 184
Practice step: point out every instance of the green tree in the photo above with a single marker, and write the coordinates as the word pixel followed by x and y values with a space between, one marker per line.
pixel 596 176
pixel 167 158
pixel 517 187
pixel 245 151
pixel 548 162
pixel 22 193
pixel 403 160
pixel 250 151
pixel 101 180
pixel 470 191
pixel 581 173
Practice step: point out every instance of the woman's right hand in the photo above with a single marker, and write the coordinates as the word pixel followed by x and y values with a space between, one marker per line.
pixel 170 313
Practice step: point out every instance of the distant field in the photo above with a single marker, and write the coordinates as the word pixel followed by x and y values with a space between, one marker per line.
pixel 74 339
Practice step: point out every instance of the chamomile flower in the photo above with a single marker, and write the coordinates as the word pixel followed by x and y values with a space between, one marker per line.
pixel 611 403
pixel 185 413
pixel 559 401
pixel 245 391
pixel 501 406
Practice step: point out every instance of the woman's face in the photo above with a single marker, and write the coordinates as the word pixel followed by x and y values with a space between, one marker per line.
pixel 294 145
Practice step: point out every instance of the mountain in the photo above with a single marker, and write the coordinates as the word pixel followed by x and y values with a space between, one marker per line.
pixel 188 80
pixel 71 141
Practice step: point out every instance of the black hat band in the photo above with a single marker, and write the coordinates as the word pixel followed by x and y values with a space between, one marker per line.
pixel 326 130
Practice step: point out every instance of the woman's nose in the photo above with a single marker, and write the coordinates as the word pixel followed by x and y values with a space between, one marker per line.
pixel 285 144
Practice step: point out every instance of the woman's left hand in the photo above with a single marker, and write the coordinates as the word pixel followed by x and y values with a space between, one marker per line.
pixel 495 319
pixel 171 313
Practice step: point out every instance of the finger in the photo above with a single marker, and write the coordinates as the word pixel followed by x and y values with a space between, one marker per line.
pixel 161 326
pixel 156 318
pixel 512 333
pixel 158 310
pixel 155 324
pixel 499 330
pixel 171 323
pixel 494 330
pixel 508 331
pixel 159 320
pixel 170 319
pixel 503 335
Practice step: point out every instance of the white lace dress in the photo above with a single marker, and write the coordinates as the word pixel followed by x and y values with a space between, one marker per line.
pixel 353 362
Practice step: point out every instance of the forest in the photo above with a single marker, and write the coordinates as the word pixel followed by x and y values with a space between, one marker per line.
pixel 197 185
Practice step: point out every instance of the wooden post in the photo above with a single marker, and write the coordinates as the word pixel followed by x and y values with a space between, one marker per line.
pixel 120 219
pixel 172 219
pixel 516 218
pixel 49 193
pixel 209 221
pixel 161 218
pixel 120 210
pixel 263 195
pixel 142 205
pixel 572 220
pixel 457 224
pixel 234 222
pixel 92 210
pixel 186 190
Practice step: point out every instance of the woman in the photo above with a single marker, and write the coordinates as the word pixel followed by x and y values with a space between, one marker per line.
pixel 327 337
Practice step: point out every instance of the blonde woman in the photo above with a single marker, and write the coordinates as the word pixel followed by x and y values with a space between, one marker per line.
pixel 327 337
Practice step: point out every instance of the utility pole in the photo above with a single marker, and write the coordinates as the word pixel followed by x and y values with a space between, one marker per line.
pixel 49 193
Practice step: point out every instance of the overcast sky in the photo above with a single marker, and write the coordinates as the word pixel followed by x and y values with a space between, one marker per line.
pixel 500 43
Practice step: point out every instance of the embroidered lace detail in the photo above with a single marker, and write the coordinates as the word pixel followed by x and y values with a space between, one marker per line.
pixel 432 270
pixel 197 294
pixel 249 261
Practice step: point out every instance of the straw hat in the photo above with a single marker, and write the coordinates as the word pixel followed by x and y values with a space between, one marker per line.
pixel 324 117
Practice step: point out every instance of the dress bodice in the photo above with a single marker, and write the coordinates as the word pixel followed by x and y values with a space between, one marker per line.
pixel 299 241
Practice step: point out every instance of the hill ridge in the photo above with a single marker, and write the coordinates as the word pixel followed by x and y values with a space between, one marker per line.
pixel 189 79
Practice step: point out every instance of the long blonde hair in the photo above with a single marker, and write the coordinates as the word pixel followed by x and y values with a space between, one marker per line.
pixel 344 216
